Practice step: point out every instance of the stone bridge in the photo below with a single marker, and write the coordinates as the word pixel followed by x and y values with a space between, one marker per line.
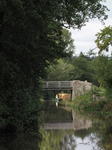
pixel 77 87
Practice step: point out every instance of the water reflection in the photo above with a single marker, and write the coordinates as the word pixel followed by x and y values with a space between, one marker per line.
pixel 80 122
pixel 70 140
pixel 65 118
pixel 81 133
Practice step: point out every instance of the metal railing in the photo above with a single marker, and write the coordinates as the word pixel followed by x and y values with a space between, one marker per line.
pixel 58 85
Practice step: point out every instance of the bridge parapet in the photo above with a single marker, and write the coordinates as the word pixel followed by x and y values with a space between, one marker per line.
pixel 58 85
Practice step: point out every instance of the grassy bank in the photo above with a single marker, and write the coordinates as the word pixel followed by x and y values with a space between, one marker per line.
pixel 97 101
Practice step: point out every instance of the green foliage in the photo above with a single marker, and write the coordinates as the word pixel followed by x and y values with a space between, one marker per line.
pixel 98 101
pixel 98 91
pixel 77 68
pixel 60 71
pixel 69 42
pixel 91 101
pixel 84 68
pixel 51 139
pixel 62 68
pixel 104 71
pixel 19 98
pixel 104 39
pixel 108 94
pixel 81 68
pixel 104 63
pixel 83 102
pixel 23 141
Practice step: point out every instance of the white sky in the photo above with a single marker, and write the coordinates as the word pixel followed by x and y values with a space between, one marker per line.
pixel 84 38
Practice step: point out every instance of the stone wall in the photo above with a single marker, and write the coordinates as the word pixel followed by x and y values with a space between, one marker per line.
pixel 80 87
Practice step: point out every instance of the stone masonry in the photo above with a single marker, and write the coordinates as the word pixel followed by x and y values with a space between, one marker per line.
pixel 80 87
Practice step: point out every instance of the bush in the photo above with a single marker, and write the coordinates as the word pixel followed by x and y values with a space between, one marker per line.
pixel 86 102
pixel 102 104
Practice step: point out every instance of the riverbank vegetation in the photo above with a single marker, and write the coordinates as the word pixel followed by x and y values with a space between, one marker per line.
pixel 99 100
pixel 96 102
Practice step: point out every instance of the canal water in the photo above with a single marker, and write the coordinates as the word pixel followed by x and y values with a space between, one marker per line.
pixel 63 129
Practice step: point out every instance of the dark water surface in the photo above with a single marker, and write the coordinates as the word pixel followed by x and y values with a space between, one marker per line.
pixel 63 129
pixel 19 141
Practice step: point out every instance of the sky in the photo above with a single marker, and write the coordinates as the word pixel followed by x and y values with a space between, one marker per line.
pixel 84 38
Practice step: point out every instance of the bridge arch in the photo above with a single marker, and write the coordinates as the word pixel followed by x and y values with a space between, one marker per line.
pixel 76 86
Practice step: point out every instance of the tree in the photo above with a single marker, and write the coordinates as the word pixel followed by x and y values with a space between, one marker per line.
pixel 69 48
pixel 83 68
pixel 30 39
pixel 104 66
pixel 104 71
pixel 104 39
pixel 61 71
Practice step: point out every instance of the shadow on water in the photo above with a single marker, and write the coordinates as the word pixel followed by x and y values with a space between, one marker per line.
pixel 55 114
pixel 19 141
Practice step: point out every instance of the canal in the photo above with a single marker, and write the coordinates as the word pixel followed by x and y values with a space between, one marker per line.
pixel 63 129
